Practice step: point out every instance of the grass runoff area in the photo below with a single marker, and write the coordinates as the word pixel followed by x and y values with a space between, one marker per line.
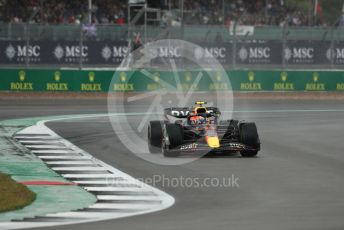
pixel 13 195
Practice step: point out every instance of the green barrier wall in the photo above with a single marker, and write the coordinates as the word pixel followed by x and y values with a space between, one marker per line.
pixel 129 81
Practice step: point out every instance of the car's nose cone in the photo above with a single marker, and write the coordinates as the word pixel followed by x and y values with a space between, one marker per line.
pixel 213 142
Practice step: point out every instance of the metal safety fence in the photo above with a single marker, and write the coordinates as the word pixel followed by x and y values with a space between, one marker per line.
pixel 35 45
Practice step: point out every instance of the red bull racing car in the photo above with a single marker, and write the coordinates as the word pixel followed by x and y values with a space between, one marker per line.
pixel 186 130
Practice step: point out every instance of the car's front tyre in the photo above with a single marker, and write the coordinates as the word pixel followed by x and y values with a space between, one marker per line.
pixel 155 135
pixel 249 136
pixel 175 135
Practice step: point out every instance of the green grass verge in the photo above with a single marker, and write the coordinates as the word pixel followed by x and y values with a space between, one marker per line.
pixel 13 195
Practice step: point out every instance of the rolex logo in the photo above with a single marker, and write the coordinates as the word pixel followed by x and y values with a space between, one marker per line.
pixel 218 76
pixel 57 76
pixel 188 76
pixel 91 76
pixel 156 77
pixel 251 76
pixel 122 76
pixel 315 76
pixel 284 76
pixel 22 75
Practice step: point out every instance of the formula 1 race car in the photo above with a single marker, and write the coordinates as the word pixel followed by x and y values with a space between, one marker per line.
pixel 186 130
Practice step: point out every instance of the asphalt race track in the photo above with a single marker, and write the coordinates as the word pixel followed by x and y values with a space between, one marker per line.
pixel 296 182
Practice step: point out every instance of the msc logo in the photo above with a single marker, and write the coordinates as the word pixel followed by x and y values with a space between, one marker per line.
pixel 10 52
pixel 337 53
pixel 106 52
pixel 57 76
pixel 58 52
pixel 22 51
pixel 198 53
pixel 243 54
pixel 28 51
pixel 213 52
pixel 116 52
pixel 298 53
pixel 70 51
pixel 259 52
pixel 254 53
pixel 169 52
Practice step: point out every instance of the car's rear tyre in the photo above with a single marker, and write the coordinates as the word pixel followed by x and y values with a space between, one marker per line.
pixel 249 136
pixel 175 136
pixel 155 136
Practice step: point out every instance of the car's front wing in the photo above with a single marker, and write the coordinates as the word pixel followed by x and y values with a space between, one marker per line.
pixel 200 146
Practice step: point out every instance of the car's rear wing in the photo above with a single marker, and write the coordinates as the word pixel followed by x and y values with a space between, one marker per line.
pixel 183 112
pixel 178 112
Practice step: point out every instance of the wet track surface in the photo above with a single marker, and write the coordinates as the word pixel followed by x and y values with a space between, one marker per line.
pixel 296 182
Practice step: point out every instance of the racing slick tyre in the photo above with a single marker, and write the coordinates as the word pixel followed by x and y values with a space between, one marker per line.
pixel 175 136
pixel 155 136
pixel 249 136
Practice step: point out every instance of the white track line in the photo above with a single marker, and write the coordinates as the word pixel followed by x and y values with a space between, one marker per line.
pixel 96 216
pixel 118 194
pixel 100 182
pixel 38 142
pixel 47 157
pixel 77 169
pixel 53 151
pixel 123 206
pixel 46 147
pixel 48 138
pixel 70 163
pixel 104 175
pixel 116 189
pixel 127 198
